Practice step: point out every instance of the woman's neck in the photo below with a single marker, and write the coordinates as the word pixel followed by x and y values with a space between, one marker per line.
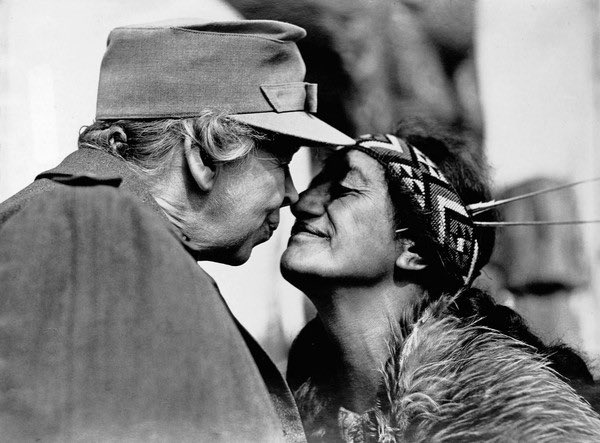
pixel 359 321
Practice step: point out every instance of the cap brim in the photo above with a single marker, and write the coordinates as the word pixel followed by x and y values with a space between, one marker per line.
pixel 296 124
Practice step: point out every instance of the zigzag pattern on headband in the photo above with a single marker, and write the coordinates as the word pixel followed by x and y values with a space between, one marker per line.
pixel 419 176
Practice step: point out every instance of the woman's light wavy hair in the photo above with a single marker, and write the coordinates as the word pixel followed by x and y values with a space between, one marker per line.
pixel 147 145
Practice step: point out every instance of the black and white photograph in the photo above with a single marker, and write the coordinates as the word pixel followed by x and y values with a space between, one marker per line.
pixel 301 221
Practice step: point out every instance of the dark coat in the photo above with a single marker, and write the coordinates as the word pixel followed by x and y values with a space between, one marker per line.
pixel 109 329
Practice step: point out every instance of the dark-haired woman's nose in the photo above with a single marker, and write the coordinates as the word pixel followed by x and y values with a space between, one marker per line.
pixel 312 202
pixel 291 194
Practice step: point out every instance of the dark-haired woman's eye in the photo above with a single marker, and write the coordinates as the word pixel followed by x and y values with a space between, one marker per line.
pixel 339 190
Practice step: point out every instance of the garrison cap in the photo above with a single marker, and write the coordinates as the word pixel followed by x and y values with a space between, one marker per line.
pixel 251 69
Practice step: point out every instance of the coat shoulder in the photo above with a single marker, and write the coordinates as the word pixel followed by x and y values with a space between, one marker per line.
pixel 48 182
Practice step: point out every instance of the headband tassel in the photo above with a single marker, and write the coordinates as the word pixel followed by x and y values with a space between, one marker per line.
pixel 500 224
pixel 479 208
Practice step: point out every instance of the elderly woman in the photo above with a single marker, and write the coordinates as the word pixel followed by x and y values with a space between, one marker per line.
pixel 402 348
pixel 109 329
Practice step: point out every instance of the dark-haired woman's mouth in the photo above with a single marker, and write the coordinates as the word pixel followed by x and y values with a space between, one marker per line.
pixel 303 228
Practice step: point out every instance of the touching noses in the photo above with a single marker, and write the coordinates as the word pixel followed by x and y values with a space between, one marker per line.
pixel 311 203
pixel 290 196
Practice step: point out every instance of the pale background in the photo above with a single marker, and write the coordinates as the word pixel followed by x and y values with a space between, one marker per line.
pixel 538 64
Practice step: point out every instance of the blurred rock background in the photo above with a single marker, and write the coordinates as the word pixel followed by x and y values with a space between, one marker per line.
pixel 522 76
pixel 377 61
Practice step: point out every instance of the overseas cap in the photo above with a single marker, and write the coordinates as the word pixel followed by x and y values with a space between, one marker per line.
pixel 251 69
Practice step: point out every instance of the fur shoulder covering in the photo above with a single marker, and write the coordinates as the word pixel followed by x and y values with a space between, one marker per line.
pixel 447 381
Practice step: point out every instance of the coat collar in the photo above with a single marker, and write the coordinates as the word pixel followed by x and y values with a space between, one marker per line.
pixel 97 165
pixel 102 166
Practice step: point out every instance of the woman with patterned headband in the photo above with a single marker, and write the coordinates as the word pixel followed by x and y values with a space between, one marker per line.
pixel 403 348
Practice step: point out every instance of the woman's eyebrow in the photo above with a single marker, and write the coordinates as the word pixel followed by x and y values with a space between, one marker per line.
pixel 356 175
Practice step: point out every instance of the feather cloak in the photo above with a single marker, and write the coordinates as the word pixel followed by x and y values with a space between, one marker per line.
pixel 447 380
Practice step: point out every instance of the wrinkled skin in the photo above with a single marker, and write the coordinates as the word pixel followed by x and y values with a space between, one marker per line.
pixel 345 229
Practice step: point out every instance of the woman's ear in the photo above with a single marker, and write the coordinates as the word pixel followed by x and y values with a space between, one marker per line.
pixel 116 138
pixel 203 175
pixel 410 259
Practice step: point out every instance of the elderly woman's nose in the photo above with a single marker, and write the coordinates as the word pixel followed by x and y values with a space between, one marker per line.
pixel 311 202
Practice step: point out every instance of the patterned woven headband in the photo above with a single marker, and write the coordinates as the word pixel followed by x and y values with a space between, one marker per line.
pixel 450 219
pixel 448 216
